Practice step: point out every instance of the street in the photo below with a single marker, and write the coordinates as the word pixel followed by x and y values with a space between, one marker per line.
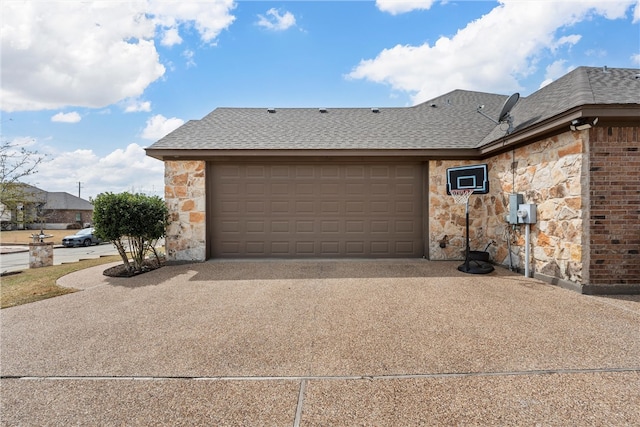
pixel 20 260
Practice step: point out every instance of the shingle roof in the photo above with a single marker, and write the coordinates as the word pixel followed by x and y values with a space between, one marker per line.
pixel 56 200
pixel 65 201
pixel 583 86
pixel 446 122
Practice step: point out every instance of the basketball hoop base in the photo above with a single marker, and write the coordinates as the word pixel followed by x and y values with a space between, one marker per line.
pixel 475 267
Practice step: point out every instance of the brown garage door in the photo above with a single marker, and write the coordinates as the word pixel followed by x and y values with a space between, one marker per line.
pixel 315 210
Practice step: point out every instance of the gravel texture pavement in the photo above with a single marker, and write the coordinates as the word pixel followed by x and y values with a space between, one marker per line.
pixel 328 342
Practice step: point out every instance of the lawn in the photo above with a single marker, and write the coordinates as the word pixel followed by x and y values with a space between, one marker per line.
pixel 35 284
pixel 23 237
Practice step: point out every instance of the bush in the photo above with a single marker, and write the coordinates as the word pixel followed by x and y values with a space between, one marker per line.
pixel 135 219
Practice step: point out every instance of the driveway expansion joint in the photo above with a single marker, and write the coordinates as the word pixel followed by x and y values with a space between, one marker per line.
pixel 304 379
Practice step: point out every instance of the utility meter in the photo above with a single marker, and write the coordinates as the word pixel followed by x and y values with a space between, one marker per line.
pixel 526 213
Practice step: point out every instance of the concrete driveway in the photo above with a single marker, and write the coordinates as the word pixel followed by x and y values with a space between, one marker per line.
pixel 306 343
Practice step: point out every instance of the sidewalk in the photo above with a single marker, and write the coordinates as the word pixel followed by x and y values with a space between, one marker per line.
pixel 310 343
pixel 13 249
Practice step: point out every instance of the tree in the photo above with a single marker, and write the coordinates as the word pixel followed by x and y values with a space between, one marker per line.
pixel 136 220
pixel 16 163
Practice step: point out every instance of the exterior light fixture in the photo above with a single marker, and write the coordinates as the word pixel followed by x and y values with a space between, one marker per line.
pixel 582 123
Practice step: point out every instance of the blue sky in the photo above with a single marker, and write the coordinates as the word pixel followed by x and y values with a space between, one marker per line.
pixel 90 84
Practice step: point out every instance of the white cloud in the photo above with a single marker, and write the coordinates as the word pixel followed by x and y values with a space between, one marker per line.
pixel 570 40
pixel 275 21
pixel 636 58
pixel 72 117
pixel 490 54
pixel 159 126
pixel 188 54
pixel 136 105
pixel 396 7
pixel 93 53
pixel 171 37
pixel 554 71
pixel 122 170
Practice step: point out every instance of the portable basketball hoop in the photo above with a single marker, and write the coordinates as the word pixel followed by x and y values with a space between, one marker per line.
pixel 462 196
pixel 462 182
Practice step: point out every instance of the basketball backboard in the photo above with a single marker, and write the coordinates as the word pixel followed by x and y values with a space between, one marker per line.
pixel 473 177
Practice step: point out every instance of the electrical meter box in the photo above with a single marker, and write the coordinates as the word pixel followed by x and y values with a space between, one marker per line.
pixel 515 200
pixel 526 213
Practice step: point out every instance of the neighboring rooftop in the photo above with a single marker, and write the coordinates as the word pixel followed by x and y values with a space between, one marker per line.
pixel 56 200
pixel 450 121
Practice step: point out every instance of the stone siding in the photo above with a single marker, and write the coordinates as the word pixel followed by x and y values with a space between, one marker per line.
pixel 185 195
pixel 614 220
pixel 549 173
pixel 40 254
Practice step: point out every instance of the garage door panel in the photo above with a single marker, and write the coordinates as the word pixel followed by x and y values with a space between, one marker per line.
pixel 304 226
pixel 254 171
pixel 380 172
pixel 305 248
pixel 380 207
pixel 329 226
pixel 355 247
pixel 354 171
pixel 254 188
pixel 380 248
pixel 255 207
pixel 380 226
pixel 280 226
pixel 255 227
pixel 305 207
pixel 354 226
pixel 280 248
pixel 315 210
pixel 355 208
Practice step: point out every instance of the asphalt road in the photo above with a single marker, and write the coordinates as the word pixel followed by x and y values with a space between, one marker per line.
pixel 18 261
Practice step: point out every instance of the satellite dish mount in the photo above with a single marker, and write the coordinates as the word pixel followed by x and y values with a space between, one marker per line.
pixel 505 112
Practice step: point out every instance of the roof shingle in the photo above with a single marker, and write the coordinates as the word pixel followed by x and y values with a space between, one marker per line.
pixel 446 122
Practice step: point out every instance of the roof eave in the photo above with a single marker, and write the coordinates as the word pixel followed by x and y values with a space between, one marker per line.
pixel 607 114
pixel 346 154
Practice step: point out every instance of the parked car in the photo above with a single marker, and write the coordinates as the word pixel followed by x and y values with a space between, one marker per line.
pixel 84 237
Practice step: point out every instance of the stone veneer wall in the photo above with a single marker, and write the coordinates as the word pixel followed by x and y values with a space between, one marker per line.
pixel 185 195
pixel 614 221
pixel 40 254
pixel 550 173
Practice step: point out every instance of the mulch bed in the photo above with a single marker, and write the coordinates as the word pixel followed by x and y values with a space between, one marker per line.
pixel 121 270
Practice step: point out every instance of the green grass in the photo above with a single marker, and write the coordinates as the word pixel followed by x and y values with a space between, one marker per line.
pixel 36 284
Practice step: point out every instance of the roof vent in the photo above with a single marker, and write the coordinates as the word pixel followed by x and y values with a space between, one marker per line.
pixel 322 110
pixel 605 69
pixel 375 110
pixel 433 105
pixel 271 110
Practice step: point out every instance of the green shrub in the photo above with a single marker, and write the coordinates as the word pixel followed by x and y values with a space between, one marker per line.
pixel 136 220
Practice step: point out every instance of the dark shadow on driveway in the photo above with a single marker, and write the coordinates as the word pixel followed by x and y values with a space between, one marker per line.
pixel 329 269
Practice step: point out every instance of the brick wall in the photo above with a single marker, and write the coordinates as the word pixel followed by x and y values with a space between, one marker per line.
pixel 68 216
pixel 614 221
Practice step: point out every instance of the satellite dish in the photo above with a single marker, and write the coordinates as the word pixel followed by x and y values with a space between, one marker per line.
pixel 508 105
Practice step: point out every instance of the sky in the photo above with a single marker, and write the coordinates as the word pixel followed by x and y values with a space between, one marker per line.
pixel 90 84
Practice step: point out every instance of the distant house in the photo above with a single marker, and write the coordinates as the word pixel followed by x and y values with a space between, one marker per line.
pixel 371 182
pixel 50 210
